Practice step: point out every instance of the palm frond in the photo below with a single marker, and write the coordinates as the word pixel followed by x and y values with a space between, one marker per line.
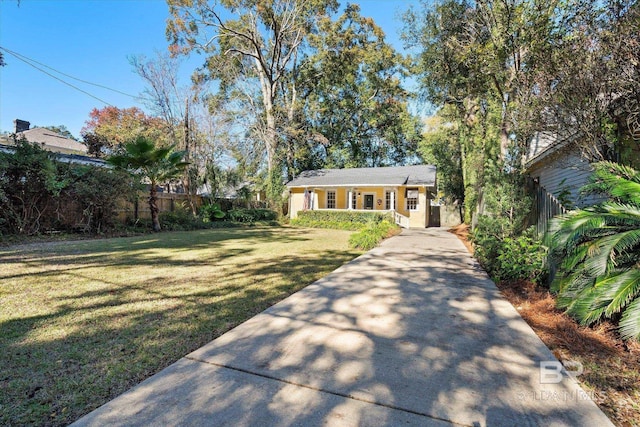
pixel 598 252
pixel 616 291
pixel 630 321
pixel 584 308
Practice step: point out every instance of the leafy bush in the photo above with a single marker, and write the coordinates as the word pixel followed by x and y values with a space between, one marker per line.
pixel 252 215
pixel 29 183
pixel 371 227
pixel 509 257
pixel 339 220
pixel 91 199
pixel 180 220
pixel 522 258
pixel 372 234
pixel 38 193
pixel 211 212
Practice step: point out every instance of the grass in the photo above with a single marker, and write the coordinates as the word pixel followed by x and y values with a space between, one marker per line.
pixel 84 321
pixel 611 366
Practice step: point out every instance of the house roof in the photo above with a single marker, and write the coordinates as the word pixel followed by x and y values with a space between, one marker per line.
pixel 387 176
pixel 53 141
pixel 542 145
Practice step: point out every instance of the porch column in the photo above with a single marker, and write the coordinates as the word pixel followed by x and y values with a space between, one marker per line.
pixel 393 200
pixel 350 199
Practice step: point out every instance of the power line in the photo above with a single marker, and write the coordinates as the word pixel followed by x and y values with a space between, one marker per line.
pixel 55 77
pixel 16 54
pixel 30 62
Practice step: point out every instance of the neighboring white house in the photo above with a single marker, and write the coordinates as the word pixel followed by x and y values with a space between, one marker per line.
pixel 558 166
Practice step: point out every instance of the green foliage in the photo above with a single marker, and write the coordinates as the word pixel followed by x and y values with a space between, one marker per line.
pixel 143 159
pixel 371 227
pixel 441 147
pixel 37 193
pixel 28 184
pixel 180 220
pixel 338 220
pixel 252 215
pixel 211 212
pixel 506 256
pixel 522 258
pixel 96 194
pixel 597 250
pixel 504 249
pixel 564 197
pixel 372 234
pixel 353 96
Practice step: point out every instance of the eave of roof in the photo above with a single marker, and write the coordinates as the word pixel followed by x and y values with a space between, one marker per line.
pixel 52 140
pixel 417 175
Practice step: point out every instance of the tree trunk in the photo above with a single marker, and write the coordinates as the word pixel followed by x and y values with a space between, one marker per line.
pixel 186 179
pixel 271 142
pixel 268 97
pixel 153 207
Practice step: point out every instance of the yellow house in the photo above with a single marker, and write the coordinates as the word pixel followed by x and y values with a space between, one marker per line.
pixel 405 191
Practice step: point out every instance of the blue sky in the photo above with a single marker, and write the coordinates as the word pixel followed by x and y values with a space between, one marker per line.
pixel 92 40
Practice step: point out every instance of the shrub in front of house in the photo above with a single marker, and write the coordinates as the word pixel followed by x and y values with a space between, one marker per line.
pixel 372 234
pixel 339 220
pixel 370 227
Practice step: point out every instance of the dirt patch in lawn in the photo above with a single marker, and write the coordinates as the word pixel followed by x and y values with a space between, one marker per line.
pixel 611 366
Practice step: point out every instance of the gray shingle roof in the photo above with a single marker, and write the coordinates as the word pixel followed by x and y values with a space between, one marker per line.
pixel 53 141
pixel 387 176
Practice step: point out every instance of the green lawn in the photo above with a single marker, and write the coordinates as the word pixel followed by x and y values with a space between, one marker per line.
pixel 81 322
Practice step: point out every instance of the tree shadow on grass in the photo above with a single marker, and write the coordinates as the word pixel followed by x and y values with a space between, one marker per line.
pixel 103 341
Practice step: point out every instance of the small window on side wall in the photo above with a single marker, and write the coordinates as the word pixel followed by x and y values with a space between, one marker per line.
pixel 412 199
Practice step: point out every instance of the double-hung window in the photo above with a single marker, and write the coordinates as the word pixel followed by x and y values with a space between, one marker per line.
pixel 412 200
pixel 390 200
pixel 331 199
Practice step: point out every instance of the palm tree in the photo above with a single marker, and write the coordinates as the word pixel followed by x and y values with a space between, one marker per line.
pixel 598 252
pixel 157 164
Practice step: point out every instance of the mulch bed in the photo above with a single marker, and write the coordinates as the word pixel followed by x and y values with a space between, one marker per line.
pixel 611 366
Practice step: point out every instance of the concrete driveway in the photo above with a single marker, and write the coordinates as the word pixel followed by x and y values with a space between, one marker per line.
pixel 411 333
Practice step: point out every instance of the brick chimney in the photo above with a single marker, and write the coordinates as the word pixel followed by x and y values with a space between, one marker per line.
pixel 21 125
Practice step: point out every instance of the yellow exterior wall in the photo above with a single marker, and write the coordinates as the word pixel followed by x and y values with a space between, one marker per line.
pixel 296 201
pixel 417 219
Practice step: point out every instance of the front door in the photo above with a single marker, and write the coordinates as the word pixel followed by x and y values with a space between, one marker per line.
pixel 368 201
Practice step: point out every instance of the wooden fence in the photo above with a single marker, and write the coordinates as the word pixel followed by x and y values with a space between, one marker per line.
pixel 545 208
pixel 167 202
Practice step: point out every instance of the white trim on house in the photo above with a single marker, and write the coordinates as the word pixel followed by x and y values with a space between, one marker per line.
pixel 393 202
pixel 412 192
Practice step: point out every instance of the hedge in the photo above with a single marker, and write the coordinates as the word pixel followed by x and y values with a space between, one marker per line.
pixel 340 220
